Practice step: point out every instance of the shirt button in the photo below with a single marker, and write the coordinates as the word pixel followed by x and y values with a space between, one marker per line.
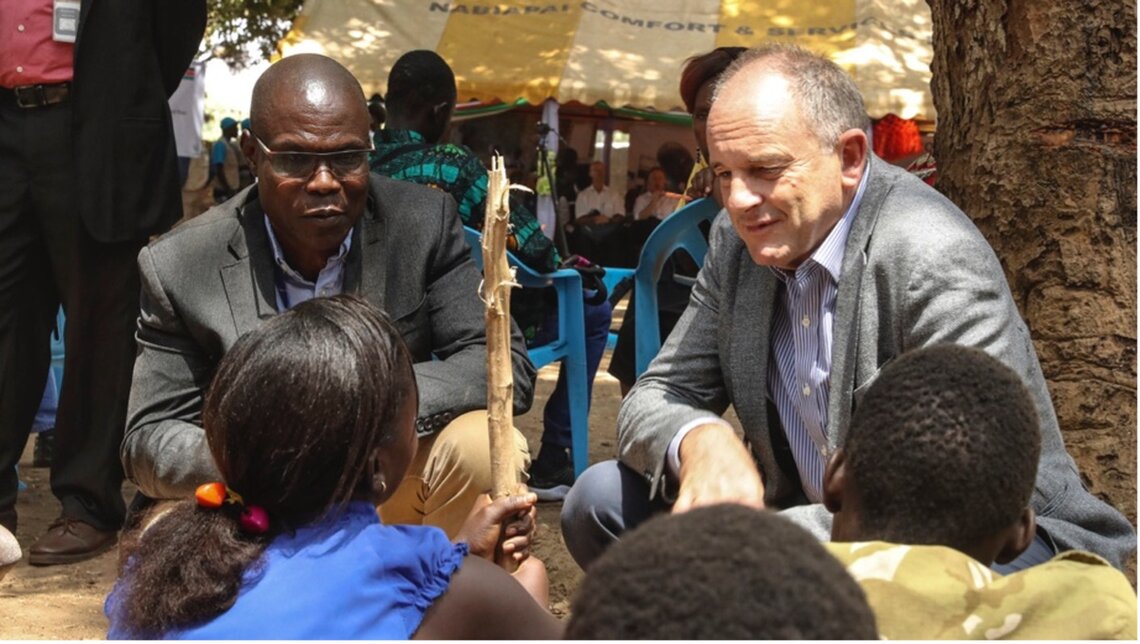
pixel 807 391
pixel 19 27
pixel 20 68
pixel 806 321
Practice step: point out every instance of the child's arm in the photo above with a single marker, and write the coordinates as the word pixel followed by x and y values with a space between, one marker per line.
pixel 484 602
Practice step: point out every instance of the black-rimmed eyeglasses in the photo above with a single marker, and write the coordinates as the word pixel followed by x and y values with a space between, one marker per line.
pixel 302 165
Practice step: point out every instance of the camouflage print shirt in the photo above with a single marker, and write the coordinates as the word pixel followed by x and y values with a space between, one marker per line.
pixel 932 592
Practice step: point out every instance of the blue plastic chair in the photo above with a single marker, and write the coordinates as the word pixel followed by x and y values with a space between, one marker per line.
pixel 57 350
pixel 679 231
pixel 57 367
pixel 614 275
pixel 570 347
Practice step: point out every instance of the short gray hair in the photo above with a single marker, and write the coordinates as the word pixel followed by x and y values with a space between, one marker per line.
pixel 827 96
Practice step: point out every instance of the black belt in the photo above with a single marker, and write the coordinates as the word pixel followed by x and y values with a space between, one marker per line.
pixel 29 96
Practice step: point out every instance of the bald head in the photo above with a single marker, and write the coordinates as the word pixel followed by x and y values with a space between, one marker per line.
pixel 305 110
pixel 306 81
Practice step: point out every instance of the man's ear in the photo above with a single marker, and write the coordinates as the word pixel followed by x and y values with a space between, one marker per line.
pixel 834 480
pixel 852 148
pixel 1018 537
pixel 441 114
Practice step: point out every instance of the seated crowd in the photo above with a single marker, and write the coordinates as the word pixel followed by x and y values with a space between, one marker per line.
pixel 306 423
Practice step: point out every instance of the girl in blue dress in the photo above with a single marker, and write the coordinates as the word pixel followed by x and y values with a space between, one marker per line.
pixel 311 422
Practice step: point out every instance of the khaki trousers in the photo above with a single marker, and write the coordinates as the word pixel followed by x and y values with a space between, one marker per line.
pixel 451 468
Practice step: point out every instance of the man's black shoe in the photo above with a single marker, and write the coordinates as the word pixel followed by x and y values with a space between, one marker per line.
pixel 551 484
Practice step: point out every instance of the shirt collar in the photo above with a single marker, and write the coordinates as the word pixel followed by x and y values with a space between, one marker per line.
pixel 279 255
pixel 829 255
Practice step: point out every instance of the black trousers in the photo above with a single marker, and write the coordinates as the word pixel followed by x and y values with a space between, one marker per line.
pixel 48 258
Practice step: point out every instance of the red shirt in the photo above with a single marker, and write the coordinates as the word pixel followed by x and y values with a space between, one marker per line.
pixel 28 55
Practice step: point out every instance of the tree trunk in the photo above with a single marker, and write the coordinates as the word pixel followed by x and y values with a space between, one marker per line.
pixel 1036 141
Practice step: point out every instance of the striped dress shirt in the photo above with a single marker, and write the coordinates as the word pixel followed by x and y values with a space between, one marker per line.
pixel 799 371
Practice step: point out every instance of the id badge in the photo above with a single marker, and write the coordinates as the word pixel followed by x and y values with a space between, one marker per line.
pixel 65 20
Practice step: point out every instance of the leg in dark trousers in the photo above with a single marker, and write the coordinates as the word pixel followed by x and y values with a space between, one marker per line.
pixel 35 173
pixel 52 258
pixel 607 500
pixel 551 473
pixel 101 305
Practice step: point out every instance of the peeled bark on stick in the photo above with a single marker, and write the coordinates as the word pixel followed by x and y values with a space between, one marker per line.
pixel 498 278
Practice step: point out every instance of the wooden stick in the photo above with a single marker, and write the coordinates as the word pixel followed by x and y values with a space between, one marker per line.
pixel 498 278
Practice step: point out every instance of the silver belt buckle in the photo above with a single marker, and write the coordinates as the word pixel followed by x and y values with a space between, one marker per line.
pixel 32 92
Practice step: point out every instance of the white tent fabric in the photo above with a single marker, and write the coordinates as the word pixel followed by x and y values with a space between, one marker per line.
pixel 620 52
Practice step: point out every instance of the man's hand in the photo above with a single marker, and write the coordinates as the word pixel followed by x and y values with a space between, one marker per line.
pixel 501 530
pixel 703 185
pixel 717 468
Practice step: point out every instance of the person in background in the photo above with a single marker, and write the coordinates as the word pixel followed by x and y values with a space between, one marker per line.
pixel 723 572
pixel 186 113
pixel 597 202
pixel 89 169
pixel 245 172
pixel 198 189
pixel 225 162
pixel 933 487
pixel 698 80
pixel 376 112
pixel 656 202
pixel 698 77
pixel 311 422
pixel 598 214
pixel 421 98
pixel 899 141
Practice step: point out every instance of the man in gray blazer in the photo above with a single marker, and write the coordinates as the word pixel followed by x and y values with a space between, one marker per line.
pixel 830 264
pixel 316 223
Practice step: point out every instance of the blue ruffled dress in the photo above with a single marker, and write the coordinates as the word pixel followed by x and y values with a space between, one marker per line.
pixel 345 577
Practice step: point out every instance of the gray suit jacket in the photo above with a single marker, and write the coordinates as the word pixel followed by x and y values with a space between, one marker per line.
pixel 916 272
pixel 211 280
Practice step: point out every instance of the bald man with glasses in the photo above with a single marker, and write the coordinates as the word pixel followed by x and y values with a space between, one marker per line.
pixel 317 223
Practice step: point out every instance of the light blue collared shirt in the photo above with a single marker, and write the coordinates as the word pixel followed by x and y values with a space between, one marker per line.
pixel 801 354
pixel 292 288
pixel 799 369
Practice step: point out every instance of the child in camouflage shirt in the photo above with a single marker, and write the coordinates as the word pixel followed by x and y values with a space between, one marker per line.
pixel 933 487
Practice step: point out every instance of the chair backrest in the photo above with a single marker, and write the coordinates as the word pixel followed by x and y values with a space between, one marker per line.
pixel 567 284
pixel 525 275
pixel 569 347
pixel 679 231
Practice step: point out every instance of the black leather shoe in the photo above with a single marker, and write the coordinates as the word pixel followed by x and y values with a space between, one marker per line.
pixel 70 541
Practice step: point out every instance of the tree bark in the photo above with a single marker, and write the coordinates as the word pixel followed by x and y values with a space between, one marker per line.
pixel 1036 141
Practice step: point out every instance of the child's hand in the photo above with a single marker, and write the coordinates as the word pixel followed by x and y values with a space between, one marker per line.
pixel 501 530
